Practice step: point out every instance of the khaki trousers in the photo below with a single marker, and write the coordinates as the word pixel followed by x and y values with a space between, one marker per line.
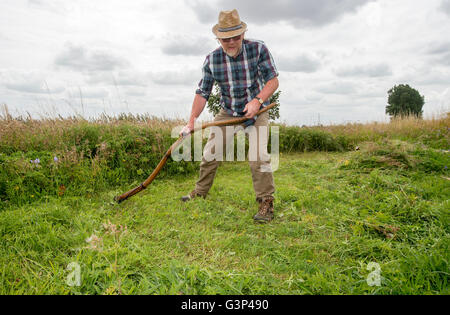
pixel 259 159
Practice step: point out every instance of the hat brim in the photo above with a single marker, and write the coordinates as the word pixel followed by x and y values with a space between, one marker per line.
pixel 229 34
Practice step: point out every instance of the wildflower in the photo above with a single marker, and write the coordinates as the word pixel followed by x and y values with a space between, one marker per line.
pixel 94 242
pixel 92 238
pixel 114 229
pixel 61 190
pixel 55 159
pixel 37 161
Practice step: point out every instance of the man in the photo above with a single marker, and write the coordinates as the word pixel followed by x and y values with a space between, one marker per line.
pixel 247 77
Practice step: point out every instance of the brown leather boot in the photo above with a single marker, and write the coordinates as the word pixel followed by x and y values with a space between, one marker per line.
pixel 265 213
pixel 191 195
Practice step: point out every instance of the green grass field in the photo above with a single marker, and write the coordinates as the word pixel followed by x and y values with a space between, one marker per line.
pixel 335 214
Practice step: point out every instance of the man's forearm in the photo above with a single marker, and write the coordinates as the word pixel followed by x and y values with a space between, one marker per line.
pixel 197 108
pixel 270 88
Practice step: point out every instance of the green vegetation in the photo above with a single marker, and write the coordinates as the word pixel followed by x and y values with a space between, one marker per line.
pixel 404 101
pixel 214 107
pixel 346 196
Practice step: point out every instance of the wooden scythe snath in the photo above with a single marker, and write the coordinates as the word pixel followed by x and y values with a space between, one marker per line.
pixel 163 161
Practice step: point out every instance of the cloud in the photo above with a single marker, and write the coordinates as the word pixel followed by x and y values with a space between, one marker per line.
pixel 135 91
pixel 305 13
pixel 441 59
pixel 38 87
pixel 423 76
pixel 302 63
pixel 445 6
pixel 444 59
pixel 55 6
pixel 187 45
pixel 206 13
pixel 337 87
pixel 89 92
pixel 440 53
pixel 438 48
pixel 121 77
pixel 371 70
pixel 79 58
pixel 186 77
pixel 136 79
pixel 35 2
pixel 30 82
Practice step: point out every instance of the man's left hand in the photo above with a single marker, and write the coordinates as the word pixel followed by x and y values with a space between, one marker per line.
pixel 251 108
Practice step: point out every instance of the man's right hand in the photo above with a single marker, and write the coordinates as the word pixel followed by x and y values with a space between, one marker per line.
pixel 186 130
pixel 197 108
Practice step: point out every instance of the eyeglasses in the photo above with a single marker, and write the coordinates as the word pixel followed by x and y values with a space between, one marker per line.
pixel 227 40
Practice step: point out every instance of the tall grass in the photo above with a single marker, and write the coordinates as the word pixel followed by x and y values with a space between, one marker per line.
pixel 434 132
pixel 55 157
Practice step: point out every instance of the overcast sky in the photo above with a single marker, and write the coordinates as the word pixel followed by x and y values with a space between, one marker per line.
pixel 337 58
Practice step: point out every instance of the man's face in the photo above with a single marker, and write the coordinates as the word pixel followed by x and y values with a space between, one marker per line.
pixel 232 46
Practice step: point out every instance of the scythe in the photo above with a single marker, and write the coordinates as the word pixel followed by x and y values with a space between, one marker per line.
pixel 163 161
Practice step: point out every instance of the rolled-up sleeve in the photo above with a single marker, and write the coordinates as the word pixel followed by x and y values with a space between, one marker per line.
pixel 206 83
pixel 266 65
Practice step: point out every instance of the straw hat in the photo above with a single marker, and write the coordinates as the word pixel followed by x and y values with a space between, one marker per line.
pixel 229 25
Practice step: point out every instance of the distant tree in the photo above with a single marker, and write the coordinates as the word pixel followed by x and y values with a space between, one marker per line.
pixel 404 101
pixel 214 103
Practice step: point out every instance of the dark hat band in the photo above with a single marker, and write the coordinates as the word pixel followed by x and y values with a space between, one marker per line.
pixel 228 29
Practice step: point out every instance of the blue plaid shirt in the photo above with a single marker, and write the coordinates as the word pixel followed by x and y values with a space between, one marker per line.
pixel 240 78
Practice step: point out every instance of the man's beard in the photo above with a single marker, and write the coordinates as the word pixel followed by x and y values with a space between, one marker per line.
pixel 234 55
